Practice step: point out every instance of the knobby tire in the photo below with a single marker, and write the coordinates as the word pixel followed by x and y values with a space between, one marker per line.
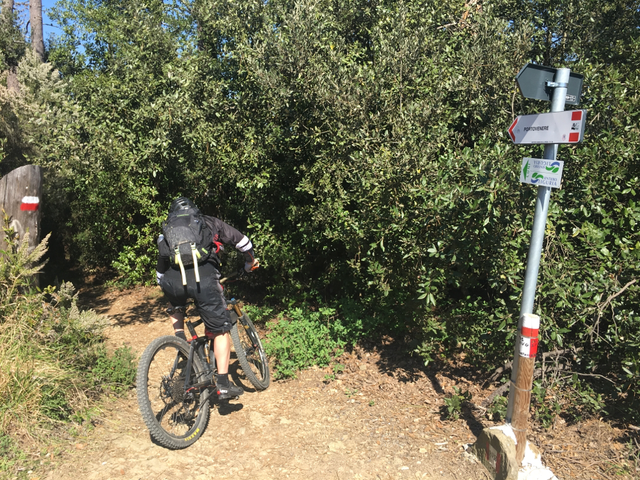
pixel 250 353
pixel 175 419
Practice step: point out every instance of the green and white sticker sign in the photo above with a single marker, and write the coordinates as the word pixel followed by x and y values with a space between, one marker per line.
pixel 543 173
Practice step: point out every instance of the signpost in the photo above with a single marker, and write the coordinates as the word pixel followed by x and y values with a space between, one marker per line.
pixel 542 128
pixel 560 87
pixel 539 83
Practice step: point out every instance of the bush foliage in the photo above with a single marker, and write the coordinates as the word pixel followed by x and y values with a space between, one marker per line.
pixel 53 363
pixel 362 146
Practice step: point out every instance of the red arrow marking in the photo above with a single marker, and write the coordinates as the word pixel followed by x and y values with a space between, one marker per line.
pixel 513 137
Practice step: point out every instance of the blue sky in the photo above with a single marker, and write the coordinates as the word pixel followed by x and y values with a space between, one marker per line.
pixel 45 18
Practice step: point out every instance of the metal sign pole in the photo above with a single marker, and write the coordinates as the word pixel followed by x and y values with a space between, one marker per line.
pixel 560 83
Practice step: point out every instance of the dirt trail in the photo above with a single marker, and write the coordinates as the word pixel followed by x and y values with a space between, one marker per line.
pixel 379 420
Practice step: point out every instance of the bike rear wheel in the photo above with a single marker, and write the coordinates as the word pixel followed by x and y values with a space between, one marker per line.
pixel 250 352
pixel 175 418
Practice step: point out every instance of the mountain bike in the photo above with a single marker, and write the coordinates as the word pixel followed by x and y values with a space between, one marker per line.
pixel 175 379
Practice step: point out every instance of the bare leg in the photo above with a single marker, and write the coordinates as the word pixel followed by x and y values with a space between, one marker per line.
pixel 222 352
pixel 178 321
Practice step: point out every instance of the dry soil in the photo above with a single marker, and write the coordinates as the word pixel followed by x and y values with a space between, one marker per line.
pixel 381 418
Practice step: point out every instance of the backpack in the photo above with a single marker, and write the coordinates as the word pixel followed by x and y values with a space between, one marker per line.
pixel 189 239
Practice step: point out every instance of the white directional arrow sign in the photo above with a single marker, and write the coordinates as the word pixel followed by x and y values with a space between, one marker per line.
pixel 554 127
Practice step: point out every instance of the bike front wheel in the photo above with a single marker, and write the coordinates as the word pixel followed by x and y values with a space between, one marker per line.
pixel 250 352
pixel 175 418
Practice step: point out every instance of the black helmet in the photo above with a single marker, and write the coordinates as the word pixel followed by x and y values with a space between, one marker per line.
pixel 182 203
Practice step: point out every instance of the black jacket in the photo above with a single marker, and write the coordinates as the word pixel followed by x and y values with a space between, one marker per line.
pixel 223 234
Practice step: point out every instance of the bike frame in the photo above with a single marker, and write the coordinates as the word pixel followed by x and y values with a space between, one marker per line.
pixel 196 347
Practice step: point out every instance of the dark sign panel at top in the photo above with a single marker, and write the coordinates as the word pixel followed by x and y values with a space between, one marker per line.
pixel 534 82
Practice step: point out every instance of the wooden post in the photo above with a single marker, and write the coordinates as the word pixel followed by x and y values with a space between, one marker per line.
pixel 524 381
pixel 20 194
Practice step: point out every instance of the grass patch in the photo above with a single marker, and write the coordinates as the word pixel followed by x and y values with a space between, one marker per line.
pixel 53 362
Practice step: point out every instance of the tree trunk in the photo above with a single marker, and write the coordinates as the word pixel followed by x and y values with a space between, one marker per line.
pixel 35 18
pixel 12 80
pixel 12 77
pixel 7 6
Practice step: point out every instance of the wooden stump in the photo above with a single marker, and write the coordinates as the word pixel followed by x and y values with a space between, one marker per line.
pixel 20 194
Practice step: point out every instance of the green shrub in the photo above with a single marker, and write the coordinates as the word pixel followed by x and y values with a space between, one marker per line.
pixel 299 339
pixel 53 363
pixel 573 398
pixel 453 404
pixel 498 409
pixel 303 336
pixel 116 372
pixel 259 314
pixel 545 405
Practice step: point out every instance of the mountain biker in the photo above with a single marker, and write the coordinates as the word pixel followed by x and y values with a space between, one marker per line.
pixel 180 284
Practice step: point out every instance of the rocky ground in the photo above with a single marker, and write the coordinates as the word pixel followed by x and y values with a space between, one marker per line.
pixel 381 418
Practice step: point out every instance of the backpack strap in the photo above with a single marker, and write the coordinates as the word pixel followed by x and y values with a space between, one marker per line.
pixel 178 260
pixel 196 255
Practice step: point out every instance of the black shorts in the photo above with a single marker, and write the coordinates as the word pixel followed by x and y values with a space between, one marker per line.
pixel 207 295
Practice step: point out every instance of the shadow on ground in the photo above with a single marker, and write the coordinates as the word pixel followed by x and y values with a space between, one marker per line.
pixel 142 305
pixel 395 360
